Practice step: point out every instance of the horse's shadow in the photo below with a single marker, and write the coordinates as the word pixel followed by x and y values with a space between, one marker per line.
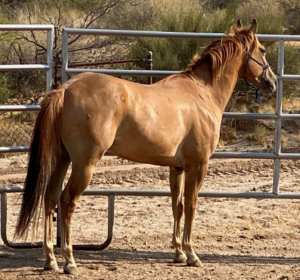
pixel 18 258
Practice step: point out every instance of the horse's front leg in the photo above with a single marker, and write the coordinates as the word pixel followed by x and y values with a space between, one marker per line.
pixel 177 185
pixel 194 177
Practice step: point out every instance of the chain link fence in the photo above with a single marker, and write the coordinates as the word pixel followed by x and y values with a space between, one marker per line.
pixel 16 128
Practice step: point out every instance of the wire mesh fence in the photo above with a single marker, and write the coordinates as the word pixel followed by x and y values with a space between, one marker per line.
pixel 16 128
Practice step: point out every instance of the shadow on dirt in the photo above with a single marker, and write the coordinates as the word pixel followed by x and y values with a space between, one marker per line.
pixel 18 258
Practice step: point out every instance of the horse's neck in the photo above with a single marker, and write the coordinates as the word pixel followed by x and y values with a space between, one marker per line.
pixel 223 86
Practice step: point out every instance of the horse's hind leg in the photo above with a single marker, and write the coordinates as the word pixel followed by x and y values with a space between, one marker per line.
pixel 51 199
pixel 177 186
pixel 82 171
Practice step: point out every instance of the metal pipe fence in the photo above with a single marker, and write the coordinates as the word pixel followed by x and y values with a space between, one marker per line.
pixel 21 135
pixel 278 116
pixel 48 67
pixel 277 155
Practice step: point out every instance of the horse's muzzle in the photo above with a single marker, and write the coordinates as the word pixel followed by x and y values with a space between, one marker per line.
pixel 269 82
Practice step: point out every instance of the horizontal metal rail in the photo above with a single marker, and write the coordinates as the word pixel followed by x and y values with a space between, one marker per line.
pixel 24 67
pixel 26 27
pixel 148 73
pixel 257 195
pixel 14 149
pixel 237 155
pixel 111 198
pixel 163 34
pixel 119 72
pixel 48 67
pixel 16 108
pixel 103 192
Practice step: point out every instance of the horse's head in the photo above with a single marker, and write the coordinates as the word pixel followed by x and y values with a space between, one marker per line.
pixel 255 68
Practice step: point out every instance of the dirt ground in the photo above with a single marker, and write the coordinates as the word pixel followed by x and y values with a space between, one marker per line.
pixel 234 238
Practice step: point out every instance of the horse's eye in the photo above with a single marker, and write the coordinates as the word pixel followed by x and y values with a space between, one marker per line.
pixel 263 52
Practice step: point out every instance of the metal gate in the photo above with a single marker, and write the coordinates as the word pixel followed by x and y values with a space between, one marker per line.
pixel 48 68
pixel 278 116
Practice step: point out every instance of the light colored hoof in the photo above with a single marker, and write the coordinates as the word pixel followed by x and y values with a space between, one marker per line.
pixel 70 269
pixel 51 265
pixel 194 262
pixel 180 258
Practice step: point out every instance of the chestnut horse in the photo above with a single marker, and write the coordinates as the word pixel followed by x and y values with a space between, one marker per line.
pixel 174 122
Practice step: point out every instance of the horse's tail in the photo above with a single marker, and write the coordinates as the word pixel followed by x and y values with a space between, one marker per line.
pixel 45 147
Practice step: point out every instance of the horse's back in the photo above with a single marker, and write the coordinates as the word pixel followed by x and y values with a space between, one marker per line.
pixel 145 123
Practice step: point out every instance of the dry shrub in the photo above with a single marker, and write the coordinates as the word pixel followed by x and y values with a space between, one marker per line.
pixel 228 134
pixel 15 129
pixel 283 141
pixel 221 143
pixel 260 135
pixel 298 137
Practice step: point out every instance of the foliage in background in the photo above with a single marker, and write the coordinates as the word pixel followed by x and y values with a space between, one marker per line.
pixel 4 91
pixel 30 47
pixel 215 16
pixel 274 16
pixel 175 54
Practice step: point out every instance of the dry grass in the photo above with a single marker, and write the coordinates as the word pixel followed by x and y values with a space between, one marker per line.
pixel 284 141
pixel 260 135
pixel 228 134
pixel 298 137
pixel 221 144
pixel 15 130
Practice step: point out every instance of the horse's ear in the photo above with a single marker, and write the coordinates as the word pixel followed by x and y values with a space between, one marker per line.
pixel 253 26
pixel 239 24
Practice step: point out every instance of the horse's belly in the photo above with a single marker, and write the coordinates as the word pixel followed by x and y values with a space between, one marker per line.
pixel 146 151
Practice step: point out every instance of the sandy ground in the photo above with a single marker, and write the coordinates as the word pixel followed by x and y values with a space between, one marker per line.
pixel 234 238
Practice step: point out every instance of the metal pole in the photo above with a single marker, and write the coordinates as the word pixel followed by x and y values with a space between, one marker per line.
pixel 149 65
pixel 279 93
pixel 110 218
pixel 26 245
pixel 64 65
pixel 50 40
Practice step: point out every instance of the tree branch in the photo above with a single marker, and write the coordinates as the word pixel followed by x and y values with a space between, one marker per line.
pixel 34 42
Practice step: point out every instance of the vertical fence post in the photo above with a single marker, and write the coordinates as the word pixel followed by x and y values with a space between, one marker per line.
pixel 279 94
pixel 49 75
pixel 64 65
pixel 149 65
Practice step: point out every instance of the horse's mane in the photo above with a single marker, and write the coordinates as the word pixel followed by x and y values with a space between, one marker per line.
pixel 221 51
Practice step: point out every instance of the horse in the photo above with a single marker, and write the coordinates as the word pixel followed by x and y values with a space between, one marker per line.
pixel 174 122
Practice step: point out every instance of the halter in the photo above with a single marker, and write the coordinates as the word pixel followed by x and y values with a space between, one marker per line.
pixel 264 66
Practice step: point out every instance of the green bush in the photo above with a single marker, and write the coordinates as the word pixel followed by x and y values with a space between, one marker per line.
pixel 175 54
pixel 4 90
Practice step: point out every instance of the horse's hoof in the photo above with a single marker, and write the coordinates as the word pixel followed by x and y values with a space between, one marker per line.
pixel 195 262
pixel 51 265
pixel 70 269
pixel 180 258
